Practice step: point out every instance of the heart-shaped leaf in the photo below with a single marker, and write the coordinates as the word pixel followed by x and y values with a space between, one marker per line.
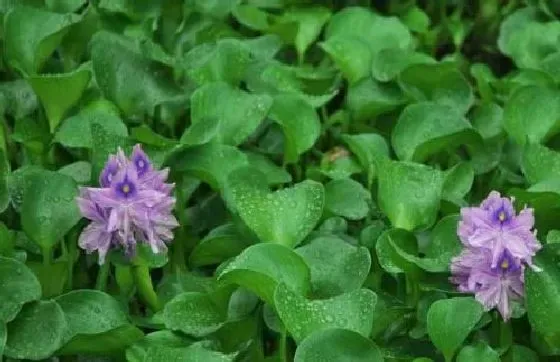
pixel 31 35
pixel 302 317
pixel 337 345
pixel 346 270
pixel 196 313
pixel 426 128
pixel 441 83
pixel 134 83
pixel 347 198
pixel 59 92
pixel 285 216
pixel 220 244
pixel 37 332
pixel 542 289
pixel 370 148
pixel 479 352
pixel 532 113
pixel 238 116
pixel 539 163
pixel 409 194
pixel 450 321
pixel 19 286
pixel 367 99
pixel 89 312
pixel 261 267
pixel 49 208
pixel 299 122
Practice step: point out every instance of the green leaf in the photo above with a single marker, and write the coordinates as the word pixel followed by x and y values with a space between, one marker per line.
pixel 221 243
pixel 347 268
pixel 337 345
pixel 225 61
pixel 194 353
pixel 134 83
pixel 521 353
pixel 487 119
pixel 458 182
pixel 367 99
pixel 542 292
pixel 90 312
pixel 370 148
pixel 211 162
pixel 426 128
pixel 441 83
pixel 409 194
pixel 308 22
pixel 17 98
pixel 532 113
pixel 285 216
pixel 37 332
pixel 274 174
pixel 251 17
pixel 397 249
pixel 19 286
pixel 347 198
pixel 354 35
pixel 31 35
pixel 76 131
pixel 110 342
pixel 261 267
pixel 450 321
pixel 64 6
pixel 196 313
pixel 388 63
pixel 539 163
pixel 302 317
pixel 80 171
pixel 479 352
pixel 59 92
pixel 526 40
pixel 49 208
pixel 238 115
pixel 299 122
pixel 4 180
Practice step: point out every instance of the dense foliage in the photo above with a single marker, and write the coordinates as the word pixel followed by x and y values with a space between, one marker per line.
pixel 321 152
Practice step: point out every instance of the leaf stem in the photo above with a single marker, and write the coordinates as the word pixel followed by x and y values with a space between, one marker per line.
pixel 47 256
pixel 102 276
pixel 145 288
pixel 282 345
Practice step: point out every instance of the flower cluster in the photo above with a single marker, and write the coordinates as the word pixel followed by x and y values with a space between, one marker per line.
pixel 133 204
pixel 499 244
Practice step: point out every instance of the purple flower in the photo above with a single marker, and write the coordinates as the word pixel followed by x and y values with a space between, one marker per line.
pixel 492 286
pixel 496 226
pixel 133 204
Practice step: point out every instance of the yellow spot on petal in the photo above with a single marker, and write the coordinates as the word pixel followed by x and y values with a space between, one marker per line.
pixel 505 264
pixel 126 188
pixel 502 216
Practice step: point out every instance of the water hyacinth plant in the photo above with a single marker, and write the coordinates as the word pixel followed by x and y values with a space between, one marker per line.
pixel 280 180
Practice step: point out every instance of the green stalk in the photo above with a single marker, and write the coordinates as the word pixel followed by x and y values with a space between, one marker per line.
pixel 283 345
pixel 145 288
pixel 102 276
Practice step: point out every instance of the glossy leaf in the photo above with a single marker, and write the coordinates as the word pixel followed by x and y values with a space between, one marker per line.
pixel 532 113
pixel 59 92
pixel 260 268
pixel 370 149
pixel 450 321
pixel 299 122
pixel 285 216
pixel 543 292
pixel 347 198
pixel 37 332
pixel 49 208
pixel 479 352
pixel 19 286
pixel 340 345
pixel 409 194
pixel 302 317
pixel 346 270
pixel 440 83
pixel 426 128
pixel 31 35
pixel 367 99
pixel 238 115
